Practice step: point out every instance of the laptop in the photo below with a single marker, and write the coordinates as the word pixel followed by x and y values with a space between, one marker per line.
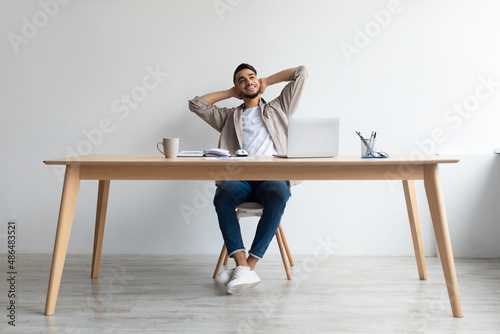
pixel 312 138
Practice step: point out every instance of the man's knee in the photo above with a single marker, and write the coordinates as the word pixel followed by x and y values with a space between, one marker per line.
pixel 281 191
pixel 278 194
pixel 221 198
pixel 226 193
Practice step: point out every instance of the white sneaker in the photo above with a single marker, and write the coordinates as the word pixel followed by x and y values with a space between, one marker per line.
pixel 243 278
pixel 225 276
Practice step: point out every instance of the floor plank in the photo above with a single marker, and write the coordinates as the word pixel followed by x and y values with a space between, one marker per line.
pixel 176 294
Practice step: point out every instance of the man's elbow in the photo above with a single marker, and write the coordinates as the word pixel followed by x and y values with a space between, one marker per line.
pixel 304 71
pixel 300 71
pixel 193 105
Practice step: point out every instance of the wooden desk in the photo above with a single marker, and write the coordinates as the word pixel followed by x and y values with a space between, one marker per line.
pixel 155 167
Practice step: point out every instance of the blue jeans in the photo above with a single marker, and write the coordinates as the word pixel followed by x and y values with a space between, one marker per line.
pixel 272 195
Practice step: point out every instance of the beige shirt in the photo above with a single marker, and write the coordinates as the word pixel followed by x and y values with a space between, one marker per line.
pixel 275 115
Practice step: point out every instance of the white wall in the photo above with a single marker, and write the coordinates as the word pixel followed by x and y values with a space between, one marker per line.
pixel 418 79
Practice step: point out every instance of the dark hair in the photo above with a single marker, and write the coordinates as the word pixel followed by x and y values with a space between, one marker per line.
pixel 242 67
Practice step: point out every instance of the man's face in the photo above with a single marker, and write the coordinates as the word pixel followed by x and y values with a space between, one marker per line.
pixel 247 83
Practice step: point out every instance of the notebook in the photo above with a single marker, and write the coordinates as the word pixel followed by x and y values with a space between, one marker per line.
pixel 313 138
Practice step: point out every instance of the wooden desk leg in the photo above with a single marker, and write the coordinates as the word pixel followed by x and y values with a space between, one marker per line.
pixel 66 213
pixel 411 206
pixel 438 214
pixel 102 206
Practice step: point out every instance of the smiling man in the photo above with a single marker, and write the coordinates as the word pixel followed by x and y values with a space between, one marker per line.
pixel 260 128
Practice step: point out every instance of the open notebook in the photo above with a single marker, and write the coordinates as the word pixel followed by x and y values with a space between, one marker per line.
pixel 213 152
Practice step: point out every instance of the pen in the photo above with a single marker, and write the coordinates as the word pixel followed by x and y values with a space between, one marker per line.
pixel 372 140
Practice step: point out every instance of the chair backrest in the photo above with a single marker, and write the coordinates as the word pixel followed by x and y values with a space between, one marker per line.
pixel 250 209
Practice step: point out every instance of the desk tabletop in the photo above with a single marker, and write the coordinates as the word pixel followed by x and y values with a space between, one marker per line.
pixel 158 159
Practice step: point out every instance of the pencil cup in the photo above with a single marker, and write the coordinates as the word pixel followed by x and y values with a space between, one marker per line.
pixel 365 151
pixel 170 147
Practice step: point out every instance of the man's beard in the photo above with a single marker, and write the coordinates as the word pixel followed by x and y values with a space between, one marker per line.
pixel 253 96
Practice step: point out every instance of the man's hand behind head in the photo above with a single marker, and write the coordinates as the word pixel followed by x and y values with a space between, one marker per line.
pixel 263 85
pixel 235 93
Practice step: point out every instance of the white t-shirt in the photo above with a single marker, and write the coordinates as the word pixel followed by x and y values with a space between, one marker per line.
pixel 256 138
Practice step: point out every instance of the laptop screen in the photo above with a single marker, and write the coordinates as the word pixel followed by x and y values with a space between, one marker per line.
pixel 313 137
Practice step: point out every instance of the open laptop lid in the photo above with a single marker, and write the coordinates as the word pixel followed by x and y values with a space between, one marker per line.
pixel 313 137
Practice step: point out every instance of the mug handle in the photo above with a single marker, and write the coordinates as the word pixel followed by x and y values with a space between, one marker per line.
pixel 158 147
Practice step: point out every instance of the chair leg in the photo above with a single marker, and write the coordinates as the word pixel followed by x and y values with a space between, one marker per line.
pixel 222 256
pixel 283 254
pixel 288 253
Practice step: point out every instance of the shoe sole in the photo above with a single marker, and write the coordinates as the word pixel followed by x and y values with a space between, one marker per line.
pixel 243 286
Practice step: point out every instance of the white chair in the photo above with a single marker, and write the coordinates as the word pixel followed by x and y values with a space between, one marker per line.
pixel 254 209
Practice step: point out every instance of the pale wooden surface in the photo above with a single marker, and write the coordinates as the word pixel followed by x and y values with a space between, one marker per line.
pixel 157 159
pixel 285 244
pixel 329 294
pixel 65 220
pixel 155 167
pixel 411 206
pixel 284 252
pixel 102 206
pixel 440 224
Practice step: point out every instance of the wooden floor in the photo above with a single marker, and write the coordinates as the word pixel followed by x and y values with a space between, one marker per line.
pixel 176 294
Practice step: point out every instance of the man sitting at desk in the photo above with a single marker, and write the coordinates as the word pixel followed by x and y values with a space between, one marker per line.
pixel 260 128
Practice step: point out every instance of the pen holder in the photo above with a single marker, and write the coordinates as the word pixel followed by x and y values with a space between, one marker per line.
pixel 365 151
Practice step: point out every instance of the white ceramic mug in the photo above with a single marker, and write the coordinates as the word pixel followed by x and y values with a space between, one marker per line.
pixel 170 147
